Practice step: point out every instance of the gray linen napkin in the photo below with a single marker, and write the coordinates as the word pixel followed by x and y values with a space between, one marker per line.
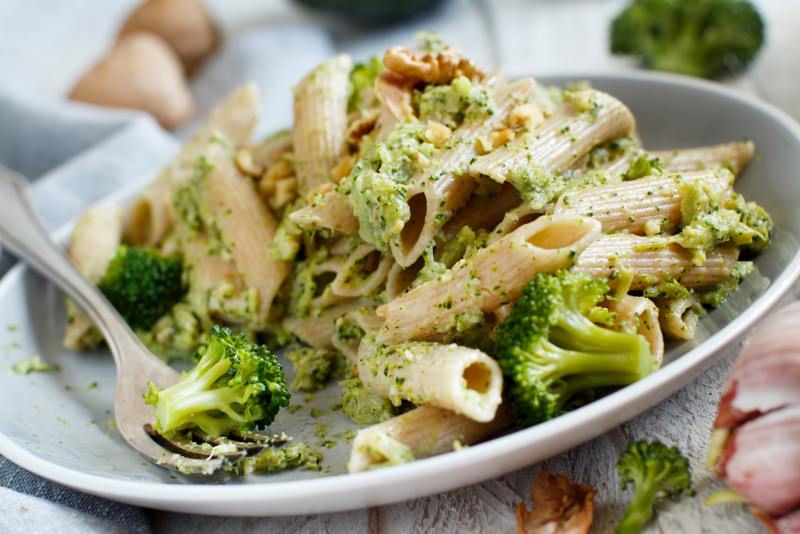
pixel 76 154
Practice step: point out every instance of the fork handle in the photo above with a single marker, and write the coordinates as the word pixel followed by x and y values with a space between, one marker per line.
pixel 21 231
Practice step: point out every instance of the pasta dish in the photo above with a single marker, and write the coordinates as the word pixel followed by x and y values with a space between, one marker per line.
pixel 461 252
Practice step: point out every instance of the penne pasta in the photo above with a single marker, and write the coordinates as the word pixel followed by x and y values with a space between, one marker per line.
pixel 463 380
pixel 733 156
pixel 362 273
pixel 652 261
pixel 320 121
pixel 92 246
pixel 394 96
pixel 152 214
pixel 561 140
pixel 679 316
pixel 350 328
pixel 412 430
pixel 437 192
pixel 245 225
pixel 640 315
pixel 317 329
pixel 329 211
pixel 483 212
pixel 491 277
pixel 645 205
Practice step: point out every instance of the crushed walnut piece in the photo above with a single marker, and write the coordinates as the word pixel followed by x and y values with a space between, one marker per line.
pixel 501 137
pixel 278 184
pixel 247 163
pixel 436 133
pixel 440 68
pixel 525 117
pixel 562 507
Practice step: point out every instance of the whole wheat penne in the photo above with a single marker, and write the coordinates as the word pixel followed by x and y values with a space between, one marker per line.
pixel 92 246
pixel 152 214
pixel 317 329
pixel 330 211
pixel 482 212
pixel 679 316
pixel 561 140
pixel 95 239
pixel 630 206
pixel 394 96
pixel 245 224
pixel 320 121
pixel 640 315
pixel 463 380
pixel 491 277
pixel 513 219
pixel 734 156
pixel 652 261
pixel 435 193
pixel 399 278
pixel 362 272
pixel 412 430
pixel 150 217
pixel 350 328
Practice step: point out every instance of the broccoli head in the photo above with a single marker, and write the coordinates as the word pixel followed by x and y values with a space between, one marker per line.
pixel 654 470
pixel 143 285
pixel 705 38
pixel 550 349
pixel 236 386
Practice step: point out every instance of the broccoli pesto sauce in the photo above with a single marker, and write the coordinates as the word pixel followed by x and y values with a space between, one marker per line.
pixel 454 104
pixel 376 186
pixel 712 214
pixel 363 407
pixel 314 367
pixel 536 186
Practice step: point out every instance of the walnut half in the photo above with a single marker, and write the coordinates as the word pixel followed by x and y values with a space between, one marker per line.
pixel 440 68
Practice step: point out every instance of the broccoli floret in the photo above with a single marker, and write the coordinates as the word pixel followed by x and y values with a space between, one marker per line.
pixel 143 285
pixel 654 470
pixel 236 385
pixel 550 350
pixel 705 38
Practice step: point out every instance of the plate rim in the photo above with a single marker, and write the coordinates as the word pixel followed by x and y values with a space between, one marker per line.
pixel 473 464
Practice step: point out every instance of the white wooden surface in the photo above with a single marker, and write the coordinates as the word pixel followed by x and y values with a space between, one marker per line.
pixel 552 36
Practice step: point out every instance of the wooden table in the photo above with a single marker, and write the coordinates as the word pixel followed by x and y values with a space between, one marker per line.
pixel 551 37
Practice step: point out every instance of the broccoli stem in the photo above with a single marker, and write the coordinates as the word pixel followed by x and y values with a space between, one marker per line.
pixel 640 509
pixel 572 362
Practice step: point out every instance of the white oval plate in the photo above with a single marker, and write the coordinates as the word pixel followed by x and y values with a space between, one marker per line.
pixel 59 425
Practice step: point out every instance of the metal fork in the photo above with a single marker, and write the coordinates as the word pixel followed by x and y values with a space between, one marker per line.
pixel 21 232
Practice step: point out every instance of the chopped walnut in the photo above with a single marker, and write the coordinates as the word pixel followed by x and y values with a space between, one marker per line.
pixel 246 162
pixel 343 168
pixel 436 133
pixel 501 137
pixel 562 507
pixel 361 127
pixel 426 67
pixel 483 145
pixel 280 172
pixel 525 117
pixel 285 192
